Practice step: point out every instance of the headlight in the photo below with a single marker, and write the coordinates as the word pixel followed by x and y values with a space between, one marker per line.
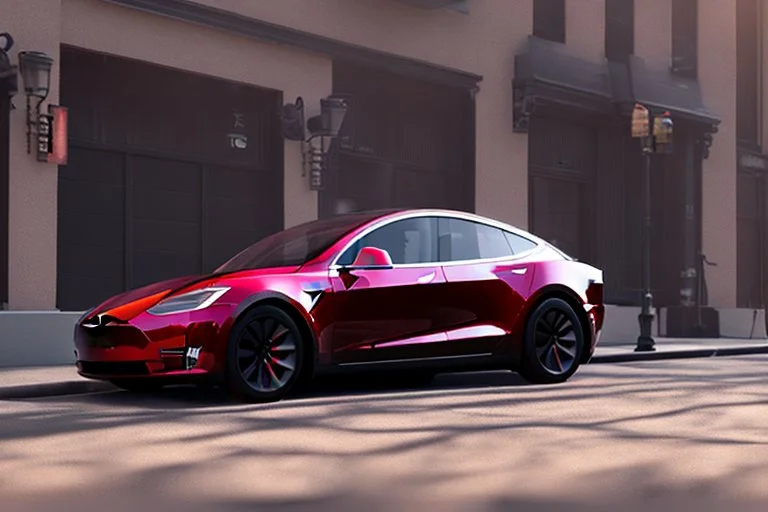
pixel 192 301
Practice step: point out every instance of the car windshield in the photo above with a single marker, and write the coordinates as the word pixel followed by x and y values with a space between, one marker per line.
pixel 296 245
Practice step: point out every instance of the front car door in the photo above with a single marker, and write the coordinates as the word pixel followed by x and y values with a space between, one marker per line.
pixel 486 272
pixel 384 314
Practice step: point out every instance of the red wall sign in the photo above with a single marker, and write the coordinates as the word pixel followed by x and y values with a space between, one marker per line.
pixel 52 136
pixel 59 118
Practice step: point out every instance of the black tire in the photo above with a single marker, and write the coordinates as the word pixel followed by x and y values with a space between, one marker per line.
pixel 553 344
pixel 252 377
pixel 138 385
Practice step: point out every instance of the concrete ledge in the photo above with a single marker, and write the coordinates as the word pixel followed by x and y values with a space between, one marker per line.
pixel 630 356
pixel 36 338
pixel 621 325
pixel 736 323
pixel 741 323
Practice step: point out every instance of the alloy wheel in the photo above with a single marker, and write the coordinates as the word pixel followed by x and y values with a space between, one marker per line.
pixel 556 342
pixel 266 354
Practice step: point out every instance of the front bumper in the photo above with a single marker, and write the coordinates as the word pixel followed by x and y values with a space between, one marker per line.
pixel 119 351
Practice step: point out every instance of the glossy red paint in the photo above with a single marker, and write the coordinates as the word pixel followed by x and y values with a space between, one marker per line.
pixel 443 313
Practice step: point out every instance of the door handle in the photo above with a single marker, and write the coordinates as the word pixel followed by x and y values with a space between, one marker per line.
pixel 426 278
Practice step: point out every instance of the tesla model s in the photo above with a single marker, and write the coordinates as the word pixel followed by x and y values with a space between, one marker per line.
pixel 400 293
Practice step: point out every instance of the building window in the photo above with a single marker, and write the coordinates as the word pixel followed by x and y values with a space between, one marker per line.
pixel 549 20
pixel 748 108
pixel 619 29
pixel 685 20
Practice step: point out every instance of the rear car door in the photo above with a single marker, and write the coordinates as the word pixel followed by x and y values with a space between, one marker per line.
pixel 487 274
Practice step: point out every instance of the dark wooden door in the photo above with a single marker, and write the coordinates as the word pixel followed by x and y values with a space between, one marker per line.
pixel 154 189
pixel 562 161
pixel 404 143
pixel 751 226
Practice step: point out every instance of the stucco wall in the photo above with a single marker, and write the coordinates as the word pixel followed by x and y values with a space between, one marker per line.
pixel 34 25
pixel 585 28
pixel 483 42
pixel 653 32
pixel 717 72
pixel 99 26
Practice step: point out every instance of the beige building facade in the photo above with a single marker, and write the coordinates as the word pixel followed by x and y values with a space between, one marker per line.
pixel 450 103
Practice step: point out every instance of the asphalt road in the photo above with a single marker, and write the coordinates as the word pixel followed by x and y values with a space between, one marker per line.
pixel 665 435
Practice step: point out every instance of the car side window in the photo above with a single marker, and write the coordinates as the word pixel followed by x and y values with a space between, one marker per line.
pixel 407 241
pixel 462 240
pixel 518 243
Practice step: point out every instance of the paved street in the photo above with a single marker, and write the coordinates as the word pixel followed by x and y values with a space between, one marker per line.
pixel 663 435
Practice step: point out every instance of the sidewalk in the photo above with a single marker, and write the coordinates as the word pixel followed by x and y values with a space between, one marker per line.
pixel 42 381
pixel 680 348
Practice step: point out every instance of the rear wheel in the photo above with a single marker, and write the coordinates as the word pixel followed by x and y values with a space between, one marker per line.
pixel 265 355
pixel 554 342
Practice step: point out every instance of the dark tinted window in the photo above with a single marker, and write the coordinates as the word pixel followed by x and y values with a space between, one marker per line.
pixel 465 240
pixel 619 29
pixel 685 22
pixel 518 243
pixel 549 19
pixel 296 245
pixel 407 241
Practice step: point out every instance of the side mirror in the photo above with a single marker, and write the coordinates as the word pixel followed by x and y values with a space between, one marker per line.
pixel 372 258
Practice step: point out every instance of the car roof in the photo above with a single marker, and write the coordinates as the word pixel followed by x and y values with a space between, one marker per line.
pixel 393 213
pixel 385 216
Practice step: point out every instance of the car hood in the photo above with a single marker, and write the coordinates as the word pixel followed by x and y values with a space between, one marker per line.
pixel 124 306
pixel 127 304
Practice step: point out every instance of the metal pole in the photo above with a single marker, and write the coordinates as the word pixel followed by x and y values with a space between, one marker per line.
pixel 645 342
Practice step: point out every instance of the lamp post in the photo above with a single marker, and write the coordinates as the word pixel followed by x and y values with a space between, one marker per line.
pixel 656 140
pixel 645 342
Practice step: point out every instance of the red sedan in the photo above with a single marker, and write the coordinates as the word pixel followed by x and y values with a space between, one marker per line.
pixel 406 293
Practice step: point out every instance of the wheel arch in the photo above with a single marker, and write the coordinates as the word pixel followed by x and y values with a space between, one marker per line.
pixel 284 303
pixel 556 291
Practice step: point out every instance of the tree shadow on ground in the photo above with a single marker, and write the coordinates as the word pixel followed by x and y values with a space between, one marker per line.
pixel 363 448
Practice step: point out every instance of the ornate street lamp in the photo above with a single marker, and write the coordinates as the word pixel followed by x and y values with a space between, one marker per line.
pixel 641 128
pixel 36 73
pixel 35 70
pixel 658 140
pixel 326 125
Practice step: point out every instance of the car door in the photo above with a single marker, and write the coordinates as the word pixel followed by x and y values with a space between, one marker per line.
pixel 486 276
pixel 391 313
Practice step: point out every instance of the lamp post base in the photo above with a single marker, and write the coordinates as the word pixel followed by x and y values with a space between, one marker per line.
pixel 645 342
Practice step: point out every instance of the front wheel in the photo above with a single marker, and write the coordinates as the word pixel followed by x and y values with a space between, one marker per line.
pixel 553 345
pixel 265 355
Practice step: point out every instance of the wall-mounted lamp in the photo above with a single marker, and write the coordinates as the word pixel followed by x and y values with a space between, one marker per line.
pixel 322 127
pixel 8 72
pixel 35 70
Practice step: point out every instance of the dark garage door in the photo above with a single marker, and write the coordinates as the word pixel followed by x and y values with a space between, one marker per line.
pixel 154 188
pixel 405 143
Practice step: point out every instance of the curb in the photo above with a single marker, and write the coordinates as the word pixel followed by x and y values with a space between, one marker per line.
pixel 52 389
pixel 679 354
